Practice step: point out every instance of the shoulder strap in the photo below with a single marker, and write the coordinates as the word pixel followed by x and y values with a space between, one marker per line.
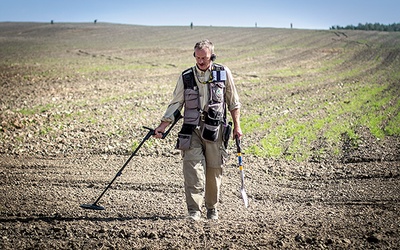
pixel 218 67
pixel 188 79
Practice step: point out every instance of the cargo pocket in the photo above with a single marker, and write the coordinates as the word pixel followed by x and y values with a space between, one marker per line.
pixel 224 155
pixel 183 142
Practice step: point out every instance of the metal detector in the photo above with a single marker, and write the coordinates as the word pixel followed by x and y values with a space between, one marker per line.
pixel 94 206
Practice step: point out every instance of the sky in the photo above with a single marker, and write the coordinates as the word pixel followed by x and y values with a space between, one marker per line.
pixel 302 14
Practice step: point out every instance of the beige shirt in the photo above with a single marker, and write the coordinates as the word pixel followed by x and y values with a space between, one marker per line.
pixel 231 95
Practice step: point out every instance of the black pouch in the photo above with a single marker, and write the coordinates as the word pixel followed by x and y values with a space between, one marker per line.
pixel 210 130
pixel 184 137
pixel 227 133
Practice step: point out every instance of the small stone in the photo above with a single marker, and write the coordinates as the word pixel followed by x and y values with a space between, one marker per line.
pixel 374 238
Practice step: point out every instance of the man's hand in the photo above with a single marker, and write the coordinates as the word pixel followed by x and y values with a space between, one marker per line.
pixel 237 132
pixel 159 131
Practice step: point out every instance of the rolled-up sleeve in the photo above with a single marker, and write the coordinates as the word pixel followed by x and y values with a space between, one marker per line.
pixel 176 102
pixel 231 95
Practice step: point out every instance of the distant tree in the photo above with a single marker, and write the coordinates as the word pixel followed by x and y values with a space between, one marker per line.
pixel 369 26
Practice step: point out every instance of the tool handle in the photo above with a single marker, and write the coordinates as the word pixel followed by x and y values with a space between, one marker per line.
pixel 239 147
pixel 239 153
pixel 177 117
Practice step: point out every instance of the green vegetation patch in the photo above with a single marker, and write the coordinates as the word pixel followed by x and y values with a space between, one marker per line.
pixel 292 136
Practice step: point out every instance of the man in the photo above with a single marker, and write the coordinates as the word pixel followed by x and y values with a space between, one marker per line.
pixel 206 91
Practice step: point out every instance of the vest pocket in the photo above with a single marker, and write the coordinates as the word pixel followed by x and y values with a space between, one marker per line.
pixel 217 91
pixel 192 118
pixel 210 130
pixel 183 142
pixel 191 112
pixel 191 99
pixel 215 111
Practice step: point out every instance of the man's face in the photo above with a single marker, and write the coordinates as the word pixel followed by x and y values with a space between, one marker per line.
pixel 203 58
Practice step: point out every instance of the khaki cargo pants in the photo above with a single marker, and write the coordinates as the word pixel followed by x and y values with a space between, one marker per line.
pixel 202 171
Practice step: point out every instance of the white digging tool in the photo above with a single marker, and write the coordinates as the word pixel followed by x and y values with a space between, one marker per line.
pixel 242 190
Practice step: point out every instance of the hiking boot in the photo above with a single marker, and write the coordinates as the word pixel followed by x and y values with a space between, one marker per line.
pixel 212 214
pixel 194 215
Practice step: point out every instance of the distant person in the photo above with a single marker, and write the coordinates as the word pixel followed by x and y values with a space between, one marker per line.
pixel 95 21
pixel 206 91
pixel 191 25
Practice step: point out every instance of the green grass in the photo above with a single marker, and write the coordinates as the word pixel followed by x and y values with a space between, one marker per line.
pixel 293 135
pixel 393 127
pixel 36 110
pixel 252 124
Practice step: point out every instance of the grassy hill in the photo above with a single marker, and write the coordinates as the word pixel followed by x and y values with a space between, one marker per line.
pixel 307 95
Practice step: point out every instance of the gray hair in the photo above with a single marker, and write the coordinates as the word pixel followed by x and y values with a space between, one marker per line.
pixel 205 44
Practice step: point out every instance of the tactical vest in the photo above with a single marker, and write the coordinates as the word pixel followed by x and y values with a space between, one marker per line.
pixel 214 112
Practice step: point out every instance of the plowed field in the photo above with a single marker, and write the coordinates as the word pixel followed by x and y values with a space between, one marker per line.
pixel 320 116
